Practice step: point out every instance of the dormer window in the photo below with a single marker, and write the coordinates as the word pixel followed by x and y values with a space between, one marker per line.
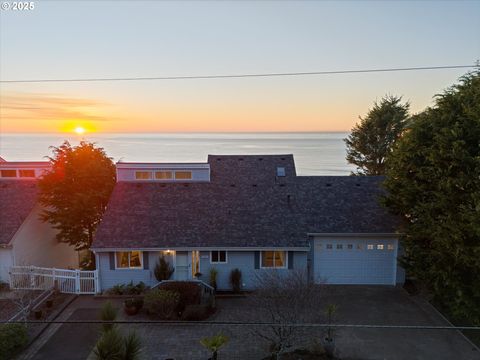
pixel 8 173
pixel 280 171
pixel 183 175
pixel 143 175
pixel 163 175
pixel 26 173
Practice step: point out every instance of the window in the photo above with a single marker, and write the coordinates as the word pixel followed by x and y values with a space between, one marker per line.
pixel 370 247
pixel 129 260
pixel 350 246
pixel 280 171
pixel 183 175
pixel 274 259
pixel 380 247
pixel 26 173
pixel 143 175
pixel 339 246
pixel 8 173
pixel 390 247
pixel 329 246
pixel 359 247
pixel 218 257
pixel 163 175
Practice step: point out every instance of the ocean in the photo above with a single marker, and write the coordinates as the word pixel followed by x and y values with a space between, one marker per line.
pixel 321 153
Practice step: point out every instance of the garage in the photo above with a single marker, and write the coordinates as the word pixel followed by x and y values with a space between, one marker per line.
pixel 355 260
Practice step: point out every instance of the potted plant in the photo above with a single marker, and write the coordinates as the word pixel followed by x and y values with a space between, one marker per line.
pixel 132 306
pixel 38 314
pixel 329 340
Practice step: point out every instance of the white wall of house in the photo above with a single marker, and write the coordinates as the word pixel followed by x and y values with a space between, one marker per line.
pixel 35 244
pixel 6 261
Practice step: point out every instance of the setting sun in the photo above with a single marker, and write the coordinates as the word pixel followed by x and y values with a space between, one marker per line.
pixel 79 130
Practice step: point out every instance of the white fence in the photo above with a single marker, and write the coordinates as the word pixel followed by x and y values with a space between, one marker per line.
pixel 66 281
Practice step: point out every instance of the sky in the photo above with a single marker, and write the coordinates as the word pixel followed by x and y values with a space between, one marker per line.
pixel 88 39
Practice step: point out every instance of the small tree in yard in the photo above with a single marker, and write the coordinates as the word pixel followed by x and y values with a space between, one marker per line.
pixel 163 269
pixel 285 300
pixel 214 344
pixel 371 141
pixel 75 192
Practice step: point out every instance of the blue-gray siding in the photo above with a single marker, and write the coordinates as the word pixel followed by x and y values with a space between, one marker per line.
pixel 243 260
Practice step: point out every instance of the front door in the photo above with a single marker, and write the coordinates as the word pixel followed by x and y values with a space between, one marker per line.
pixel 181 265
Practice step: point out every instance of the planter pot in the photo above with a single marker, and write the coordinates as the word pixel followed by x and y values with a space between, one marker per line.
pixel 49 303
pixel 38 314
pixel 329 346
pixel 131 310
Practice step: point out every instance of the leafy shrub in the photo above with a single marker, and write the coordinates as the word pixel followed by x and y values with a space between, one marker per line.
pixel 113 346
pixel 162 303
pixel 108 313
pixel 13 337
pixel 109 346
pixel 195 313
pixel 128 289
pixel 163 269
pixel 132 347
pixel 213 277
pixel 190 293
pixel 236 280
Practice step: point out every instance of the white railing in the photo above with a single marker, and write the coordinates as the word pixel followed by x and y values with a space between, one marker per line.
pixel 66 281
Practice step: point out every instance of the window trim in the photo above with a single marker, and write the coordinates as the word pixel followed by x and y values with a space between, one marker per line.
pixel 219 262
pixel 129 267
pixel 285 266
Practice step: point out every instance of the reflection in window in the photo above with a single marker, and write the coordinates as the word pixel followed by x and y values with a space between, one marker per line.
pixel 274 259
pixel 129 259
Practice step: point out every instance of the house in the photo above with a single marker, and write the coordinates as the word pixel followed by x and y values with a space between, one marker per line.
pixel 24 238
pixel 247 212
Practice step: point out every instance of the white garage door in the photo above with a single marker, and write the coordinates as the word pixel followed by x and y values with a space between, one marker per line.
pixel 355 261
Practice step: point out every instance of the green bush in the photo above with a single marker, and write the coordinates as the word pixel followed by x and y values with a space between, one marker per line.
pixel 109 346
pixel 190 292
pixel 108 313
pixel 113 346
pixel 213 277
pixel 195 313
pixel 128 289
pixel 132 347
pixel 236 280
pixel 162 303
pixel 163 269
pixel 13 337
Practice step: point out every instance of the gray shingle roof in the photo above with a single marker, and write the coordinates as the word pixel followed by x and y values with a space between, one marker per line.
pixel 244 205
pixel 17 199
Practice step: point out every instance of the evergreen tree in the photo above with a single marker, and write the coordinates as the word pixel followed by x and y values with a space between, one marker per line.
pixel 370 141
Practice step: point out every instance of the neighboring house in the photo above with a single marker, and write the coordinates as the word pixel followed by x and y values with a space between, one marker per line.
pixel 24 239
pixel 247 212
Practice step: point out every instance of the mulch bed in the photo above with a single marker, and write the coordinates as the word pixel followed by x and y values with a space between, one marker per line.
pixel 7 309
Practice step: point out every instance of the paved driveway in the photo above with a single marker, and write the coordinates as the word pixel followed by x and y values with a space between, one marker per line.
pixel 356 305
